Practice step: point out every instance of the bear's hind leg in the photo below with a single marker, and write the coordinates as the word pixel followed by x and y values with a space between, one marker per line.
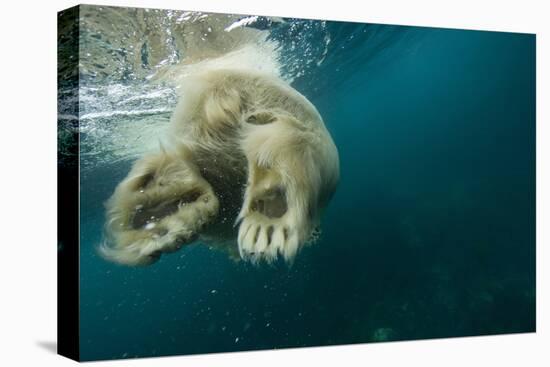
pixel 266 230
pixel 280 203
pixel 162 204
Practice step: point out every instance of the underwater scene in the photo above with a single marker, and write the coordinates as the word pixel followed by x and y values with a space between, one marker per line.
pixel 428 233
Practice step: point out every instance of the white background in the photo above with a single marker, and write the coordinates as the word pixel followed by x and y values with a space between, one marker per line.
pixel 28 183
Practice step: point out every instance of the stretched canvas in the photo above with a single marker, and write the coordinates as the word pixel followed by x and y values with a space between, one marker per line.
pixel 241 182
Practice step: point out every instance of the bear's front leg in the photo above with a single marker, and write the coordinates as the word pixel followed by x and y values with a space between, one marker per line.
pixel 162 204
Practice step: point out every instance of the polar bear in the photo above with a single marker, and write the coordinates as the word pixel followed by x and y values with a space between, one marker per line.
pixel 249 168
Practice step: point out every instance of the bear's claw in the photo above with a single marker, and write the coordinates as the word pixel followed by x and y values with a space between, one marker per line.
pixel 266 238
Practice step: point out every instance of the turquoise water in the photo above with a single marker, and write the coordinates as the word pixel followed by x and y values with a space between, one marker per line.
pixel 431 232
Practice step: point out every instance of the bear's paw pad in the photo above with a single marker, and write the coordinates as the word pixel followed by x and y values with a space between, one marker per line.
pixel 265 232
pixel 158 212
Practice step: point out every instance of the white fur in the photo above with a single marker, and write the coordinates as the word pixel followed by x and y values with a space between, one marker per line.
pixel 243 138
